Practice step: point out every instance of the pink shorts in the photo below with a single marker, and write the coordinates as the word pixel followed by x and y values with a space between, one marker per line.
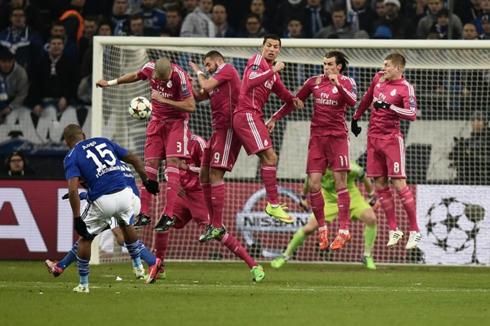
pixel 328 150
pixel 222 150
pixel 191 207
pixel 168 138
pixel 386 157
pixel 252 132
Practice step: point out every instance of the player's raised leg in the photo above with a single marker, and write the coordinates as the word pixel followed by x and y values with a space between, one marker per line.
pixel 318 207
pixel 343 203
pixel 408 203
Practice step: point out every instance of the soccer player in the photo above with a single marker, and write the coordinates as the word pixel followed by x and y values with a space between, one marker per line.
pixel 329 140
pixel 391 98
pixel 167 132
pixel 98 162
pixel 359 209
pixel 191 206
pixel 57 268
pixel 222 151
pixel 259 79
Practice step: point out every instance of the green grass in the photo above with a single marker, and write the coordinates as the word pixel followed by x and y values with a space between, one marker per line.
pixel 224 294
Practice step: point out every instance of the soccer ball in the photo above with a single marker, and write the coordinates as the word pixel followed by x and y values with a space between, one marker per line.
pixel 139 108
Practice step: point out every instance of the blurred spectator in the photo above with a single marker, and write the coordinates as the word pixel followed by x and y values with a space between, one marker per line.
pixel 253 27
pixel 84 92
pixel 31 10
pixel 365 16
pixel 120 17
pixel 22 40
pixel 154 19
pixel 58 29
pixel 14 84
pixel 469 32
pixel 105 29
pixel 485 23
pixel 441 28
pixel 189 6
pixel 314 18
pixel 471 156
pixel 219 16
pixel 199 22
pixel 468 10
pixel 340 28
pixel 90 26
pixel 380 8
pixel 393 25
pixel 295 28
pixel 136 26
pixel 16 165
pixel 430 19
pixel 54 80
pixel 416 10
pixel 283 13
pixel 4 14
pixel 174 22
pixel 259 8
pixel 73 20
pixel 485 10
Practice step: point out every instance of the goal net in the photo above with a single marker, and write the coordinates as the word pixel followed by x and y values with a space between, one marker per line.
pixel 447 171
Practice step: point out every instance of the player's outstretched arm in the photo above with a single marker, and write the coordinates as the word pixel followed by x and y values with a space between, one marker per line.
pixel 367 99
pixel 187 105
pixel 150 185
pixel 206 84
pixel 126 79
pixel 73 196
pixel 199 96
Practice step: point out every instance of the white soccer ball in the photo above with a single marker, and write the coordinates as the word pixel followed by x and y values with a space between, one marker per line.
pixel 140 108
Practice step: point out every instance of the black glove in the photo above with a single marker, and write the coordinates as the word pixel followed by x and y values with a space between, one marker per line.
pixel 151 186
pixel 356 130
pixel 381 105
pixel 80 227
pixel 65 196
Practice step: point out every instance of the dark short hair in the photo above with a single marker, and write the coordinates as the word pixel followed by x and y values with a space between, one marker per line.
pixel 135 17
pixel 57 37
pixel 6 55
pixel 340 58
pixel 271 37
pixel 213 55
pixel 174 9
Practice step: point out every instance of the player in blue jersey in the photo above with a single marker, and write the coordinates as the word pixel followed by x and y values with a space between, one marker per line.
pixel 98 162
pixel 57 268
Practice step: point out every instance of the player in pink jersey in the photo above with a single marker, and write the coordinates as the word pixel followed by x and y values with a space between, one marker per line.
pixel 329 140
pixel 222 151
pixel 391 98
pixel 168 131
pixel 259 79
pixel 190 206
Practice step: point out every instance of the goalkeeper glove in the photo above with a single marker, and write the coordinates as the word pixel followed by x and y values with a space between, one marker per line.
pixel 80 227
pixel 374 202
pixel 151 186
pixel 303 202
pixel 356 130
pixel 381 105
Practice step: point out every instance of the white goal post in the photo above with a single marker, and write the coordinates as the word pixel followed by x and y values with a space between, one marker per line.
pixel 452 81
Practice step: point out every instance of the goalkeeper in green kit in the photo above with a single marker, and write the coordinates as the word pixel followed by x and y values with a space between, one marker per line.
pixel 360 209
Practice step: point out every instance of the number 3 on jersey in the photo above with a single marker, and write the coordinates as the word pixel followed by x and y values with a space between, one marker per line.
pixel 102 153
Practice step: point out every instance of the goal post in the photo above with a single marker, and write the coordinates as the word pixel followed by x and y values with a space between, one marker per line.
pixel 452 82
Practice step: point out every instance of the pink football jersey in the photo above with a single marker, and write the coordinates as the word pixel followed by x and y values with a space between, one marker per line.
pixel 177 88
pixel 400 94
pixel 224 98
pixel 258 81
pixel 189 179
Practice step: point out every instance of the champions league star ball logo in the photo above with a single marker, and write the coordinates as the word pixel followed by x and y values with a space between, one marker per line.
pixel 452 225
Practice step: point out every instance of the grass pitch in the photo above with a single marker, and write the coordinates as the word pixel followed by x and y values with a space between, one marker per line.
pixel 224 294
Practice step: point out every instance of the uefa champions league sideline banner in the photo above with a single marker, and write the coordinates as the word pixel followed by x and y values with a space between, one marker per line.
pixel 35 223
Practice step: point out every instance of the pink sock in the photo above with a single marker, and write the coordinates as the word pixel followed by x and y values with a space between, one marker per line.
pixel 145 195
pixel 318 207
pixel 173 185
pixel 218 197
pixel 388 205
pixel 408 203
pixel 206 189
pixel 231 243
pixel 343 203
pixel 269 176
pixel 161 244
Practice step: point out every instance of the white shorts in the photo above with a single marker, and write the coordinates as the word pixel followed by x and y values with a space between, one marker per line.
pixel 97 215
pixel 136 210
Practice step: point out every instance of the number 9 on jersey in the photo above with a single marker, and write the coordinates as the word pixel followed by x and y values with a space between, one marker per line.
pixel 140 108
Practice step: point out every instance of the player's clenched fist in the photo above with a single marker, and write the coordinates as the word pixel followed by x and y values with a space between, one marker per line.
pixel 102 83
pixel 279 66
pixel 298 104
pixel 381 105
pixel 151 186
pixel 271 123
pixel 354 127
